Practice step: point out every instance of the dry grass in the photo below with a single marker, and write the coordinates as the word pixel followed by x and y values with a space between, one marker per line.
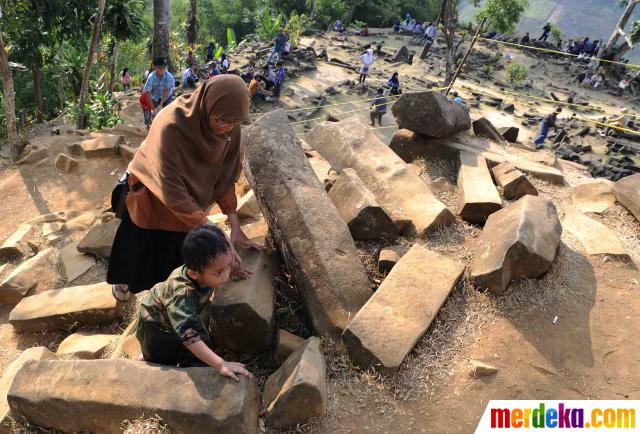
pixel 145 425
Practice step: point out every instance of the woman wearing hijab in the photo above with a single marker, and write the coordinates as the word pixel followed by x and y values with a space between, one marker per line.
pixel 367 60
pixel 190 159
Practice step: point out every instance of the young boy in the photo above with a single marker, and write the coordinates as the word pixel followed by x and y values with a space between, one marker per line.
pixel 169 329
pixel 280 75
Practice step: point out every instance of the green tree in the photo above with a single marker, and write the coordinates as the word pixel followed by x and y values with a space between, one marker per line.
pixel 502 15
pixel 614 50
pixel 122 21
pixel 327 11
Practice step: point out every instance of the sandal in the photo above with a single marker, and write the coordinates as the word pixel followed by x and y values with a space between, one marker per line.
pixel 121 292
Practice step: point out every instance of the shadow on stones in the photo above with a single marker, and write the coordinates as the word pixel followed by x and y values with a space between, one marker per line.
pixel 568 291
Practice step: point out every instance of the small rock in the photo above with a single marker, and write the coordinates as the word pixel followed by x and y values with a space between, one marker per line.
pixel 513 182
pixel 484 128
pixel 389 257
pixel 248 206
pixel 66 163
pixel 297 391
pixel 288 92
pixel 31 276
pixel 18 243
pixel 441 185
pixel 478 197
pixel 85 345
pixel 594 196
pixel 75 264
pixel 479 369
pixel 510 134
pixel 51 228
pixel 286 343
pixel 99 239
pixel 401 54
pixel 627 192
pixel 80 223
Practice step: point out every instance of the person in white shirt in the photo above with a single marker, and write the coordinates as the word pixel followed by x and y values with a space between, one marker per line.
pixel 189 78
pixel 367 59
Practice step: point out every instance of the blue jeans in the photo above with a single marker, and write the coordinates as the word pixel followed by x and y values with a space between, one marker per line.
pixel 544 131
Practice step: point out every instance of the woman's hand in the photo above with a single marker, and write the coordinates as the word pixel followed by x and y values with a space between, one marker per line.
pixel 230 369
pixel 239 239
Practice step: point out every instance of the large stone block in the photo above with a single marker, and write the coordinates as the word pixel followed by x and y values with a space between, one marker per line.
pixel 62 308
pixel 388 327
pixel 33 353
pixel 409 146
pixel 484 128
pixel 18 243
pixel 513 182
pixel 596 238
pixel 627 191
pixel 430 113
pixel 104 146
pixel 297 391
pixel 134 135
pixel 242 311
pixel 66 163
pixel 477 196
pixel 350 143
pixel 593 196
pixel 518 241
pixel 97 395
pixel 310 234
pixel 99 239
pixel 29 277
pixel 286 344
pixel 360 210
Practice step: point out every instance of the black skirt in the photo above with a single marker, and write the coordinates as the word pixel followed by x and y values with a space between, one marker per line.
pixel 141 257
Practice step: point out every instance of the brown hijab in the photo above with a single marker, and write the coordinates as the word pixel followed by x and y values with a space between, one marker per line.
pixel 182 161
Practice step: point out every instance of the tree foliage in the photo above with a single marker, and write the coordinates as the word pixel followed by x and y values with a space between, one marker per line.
pixel 502 15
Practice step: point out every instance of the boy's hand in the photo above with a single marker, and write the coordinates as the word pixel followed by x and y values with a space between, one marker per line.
pixel 230 369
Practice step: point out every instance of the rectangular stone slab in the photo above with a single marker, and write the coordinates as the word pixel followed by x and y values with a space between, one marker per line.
pixel 61 308
pixel 478 197
pixel 596 238
pixel 97 395
pixel 242 311
pixel 350 143
pixel 397 315
pixel 307 228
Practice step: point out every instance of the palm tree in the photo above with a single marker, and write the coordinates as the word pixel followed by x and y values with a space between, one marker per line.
pixel 84 89
pixel 161 45
pixel 123 21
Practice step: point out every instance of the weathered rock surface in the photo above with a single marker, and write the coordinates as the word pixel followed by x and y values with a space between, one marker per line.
pixel 104 146
pixel 350 143
pixel 79 223
pixel 360 211
pixel 478 197
pixel 286 344
pixel 57 216
pixel 484 128
pixel 128 346
pixel 627 192
pixel 32 276
pixel 593 196
pixel 297 391
pixel 518 241
pixel 18 243
pixel 596 238
pixel 310 234
pixel 86 345
pixel 431 114
pixel 441 185
pixel 33 353
pixel 248 206
pixel 51 228
pixel 397 315
pixel 97 395
pixel 389 257
pixel 134 135
pixel 99 239
pixel 322 169
pixel 67 163
pixel 127 153
pixel 242 311
pixel 62 308
pixel 74 263
pixel 34 154
pixel 513 182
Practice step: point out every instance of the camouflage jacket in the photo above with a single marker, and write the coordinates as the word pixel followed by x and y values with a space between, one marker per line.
pixel 175 304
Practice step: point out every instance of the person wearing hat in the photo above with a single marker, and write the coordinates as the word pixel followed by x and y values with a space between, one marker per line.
pixel 190 160
pixel 159 84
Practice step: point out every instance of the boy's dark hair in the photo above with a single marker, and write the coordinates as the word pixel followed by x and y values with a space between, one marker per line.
pixel 279 63
pixel 202 245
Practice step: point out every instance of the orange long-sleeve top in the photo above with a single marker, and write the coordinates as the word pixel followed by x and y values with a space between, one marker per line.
pixel 148 212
